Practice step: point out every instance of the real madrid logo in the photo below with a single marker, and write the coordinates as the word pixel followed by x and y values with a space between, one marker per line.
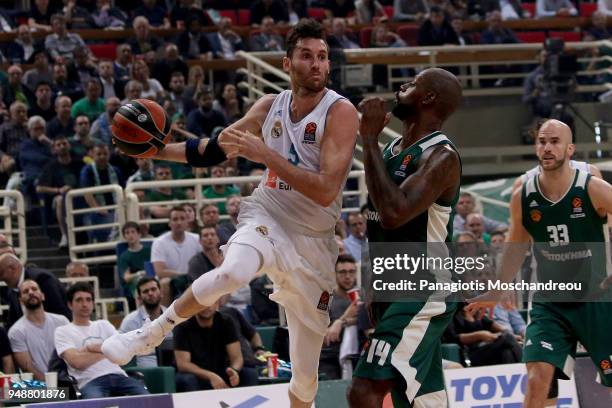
pixel 536 215
pixel 263 230
pixel 142 117
pixel 277 130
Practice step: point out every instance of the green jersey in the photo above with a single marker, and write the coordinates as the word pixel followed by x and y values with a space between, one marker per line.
pixel 433 225
pixel 570 237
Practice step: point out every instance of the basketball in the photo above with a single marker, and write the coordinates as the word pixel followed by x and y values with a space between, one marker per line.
pixel 141 128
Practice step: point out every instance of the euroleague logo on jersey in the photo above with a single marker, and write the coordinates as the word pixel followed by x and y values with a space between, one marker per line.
pixel 310 132
pixel 536 215
pixel 577 208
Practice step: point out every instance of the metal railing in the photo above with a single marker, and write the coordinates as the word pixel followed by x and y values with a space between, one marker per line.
pixel 13 222
pixel 79 212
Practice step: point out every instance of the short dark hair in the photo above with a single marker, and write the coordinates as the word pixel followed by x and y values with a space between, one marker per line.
pixel 208 227
pixel 435 9
pixel 42 83
pixel 79 287
pixel 307 28
pixel 494 233
pixel 144 280
pixel 130 224
pixel 342 258
pixel 176 208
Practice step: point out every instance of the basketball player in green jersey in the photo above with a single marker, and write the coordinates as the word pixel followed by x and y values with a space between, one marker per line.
pixel 413 185
pixel 559 208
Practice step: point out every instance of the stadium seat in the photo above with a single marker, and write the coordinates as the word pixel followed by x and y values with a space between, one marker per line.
pixel 567 36
pixel 267 336
pixel 365 35
pixel 388 11
pixel 452 352
pixel 531 36
pixel 317 13
pixel 159 380
pixel 530 7
pixel 231 14
pixel 244 17
pixel 409 33
pixel 104 51
pixel 587 9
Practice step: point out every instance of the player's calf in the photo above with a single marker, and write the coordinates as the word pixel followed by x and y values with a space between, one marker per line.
pixel 366 393
pixel 539 377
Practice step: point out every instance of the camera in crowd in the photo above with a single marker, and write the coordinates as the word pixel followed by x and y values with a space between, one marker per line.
pixel 560 70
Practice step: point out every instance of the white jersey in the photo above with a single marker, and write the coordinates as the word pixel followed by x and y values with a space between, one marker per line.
pixel 300 144
pixel 578 165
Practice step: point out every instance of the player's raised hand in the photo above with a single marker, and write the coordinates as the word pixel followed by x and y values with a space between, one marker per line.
pixel 374 117
pixel 245 144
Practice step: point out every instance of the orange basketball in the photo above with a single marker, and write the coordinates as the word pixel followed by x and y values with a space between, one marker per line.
pixel 141 128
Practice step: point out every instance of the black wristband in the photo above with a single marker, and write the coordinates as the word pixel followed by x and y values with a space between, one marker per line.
pixel 259 348
pixel 213 154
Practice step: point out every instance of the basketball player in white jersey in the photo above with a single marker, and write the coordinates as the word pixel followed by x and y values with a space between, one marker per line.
pixel 305 137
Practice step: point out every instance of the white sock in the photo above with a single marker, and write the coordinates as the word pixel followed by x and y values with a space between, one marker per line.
pixel 169 319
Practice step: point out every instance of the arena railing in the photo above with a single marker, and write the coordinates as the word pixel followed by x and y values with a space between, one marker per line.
pixel 13 227
pixel 77 212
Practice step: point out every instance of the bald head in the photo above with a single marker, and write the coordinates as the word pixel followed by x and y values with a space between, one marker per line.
pixel 447 89
pixel 10 269
pixel 558 128
pixel 554 146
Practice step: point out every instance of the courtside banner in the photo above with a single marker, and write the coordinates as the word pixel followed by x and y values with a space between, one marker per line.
pixel 262 396
pixel 500 386
pixel 141 401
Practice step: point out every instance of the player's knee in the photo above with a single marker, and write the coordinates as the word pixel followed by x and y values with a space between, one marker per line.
pixel 229 276
pixel 539 378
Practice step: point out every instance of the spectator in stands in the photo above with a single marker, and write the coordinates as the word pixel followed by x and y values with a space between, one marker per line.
pixel 205 119
pixel 107 16
pixel 227 228
pixel 32 335
pixel 209 215
pixel 230 104
pixel 367 11
pixel 82 68
pixel 354 242
pixel 343 316
pixel 123 63
pixel 81 142
pixel 209 257
pixel 436 30
pixel 599 29
pixel 62 85
pixel 77 17
pixel 457 24
pixel 100 129
pixel 338 8
pixel 172 251
pixel 131 262
pixel 34 153
pixel 13 132
pixel 145 171
pixel 78 344
pixel 340 37
pixel 511 10
pixel 267 39
pixel 155 14
pixel 219 190
pixel 410 10
pixel 143 42
pixel 41 71
pixel 184 10
pixel 170 62
pixel 507 316
pixel 474 223
pixel 132 90
pixel 193 42
pixel 61 44
pixel 225 42
pixel 12 272
pixel 195 81
pixel 207 352
pixel 192 221
pixel 62 123
pixel 605 6
pixel 21 50
pixel 7 365
pixel 276 9
pixel 465 206
pixel 149 293
pixel 552 8
pixel 100 173
pixel 43 106
pixel 111 87
pixel 486 341
pixel 495 33
pixel 497 240
pixel 7 25
pixel 59 176
pixel 92 104
pixel 77 270
pixel 151 88
pixel 40 15
pixel 14 90
pixel 176 94
pixel 163 172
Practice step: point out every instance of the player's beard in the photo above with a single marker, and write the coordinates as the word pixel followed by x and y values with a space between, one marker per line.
pixel 403 111
pixel 32 305
pixel 558 163
pixel 305 85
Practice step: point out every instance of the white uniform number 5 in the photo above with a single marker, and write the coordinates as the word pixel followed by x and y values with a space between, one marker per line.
pixel 558 234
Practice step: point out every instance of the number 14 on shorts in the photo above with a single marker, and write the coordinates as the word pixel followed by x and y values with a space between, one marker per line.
pixel 380 349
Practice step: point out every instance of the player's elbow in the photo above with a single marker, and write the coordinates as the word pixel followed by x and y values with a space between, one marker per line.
pixel 392 218
pixel 325 200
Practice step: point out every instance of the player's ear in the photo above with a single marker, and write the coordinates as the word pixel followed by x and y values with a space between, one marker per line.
pixel 286 64
pixel 429 98
pixel 571 148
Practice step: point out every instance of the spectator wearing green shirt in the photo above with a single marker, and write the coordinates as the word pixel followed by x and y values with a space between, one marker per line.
pixel 162 173
pixel 220 190
pixel 91 105
pixel 131 263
